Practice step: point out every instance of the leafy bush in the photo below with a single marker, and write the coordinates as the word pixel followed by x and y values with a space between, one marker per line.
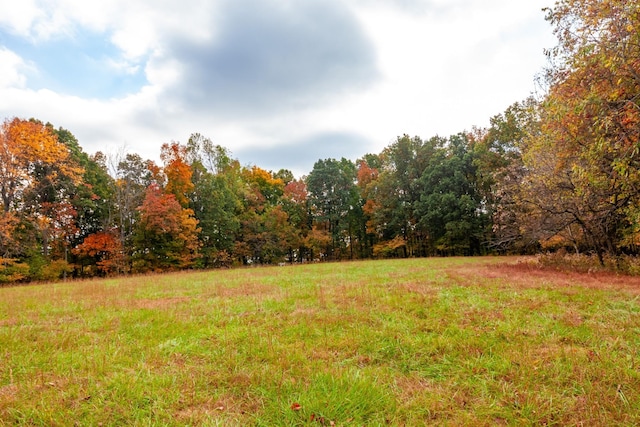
pixel 56 270
pixel 12 271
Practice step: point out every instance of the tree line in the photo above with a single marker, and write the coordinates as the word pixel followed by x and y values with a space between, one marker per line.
pixel 557 171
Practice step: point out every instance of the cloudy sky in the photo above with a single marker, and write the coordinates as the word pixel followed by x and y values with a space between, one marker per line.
pixel 281 83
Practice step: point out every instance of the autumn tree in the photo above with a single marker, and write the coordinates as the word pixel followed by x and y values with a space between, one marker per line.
pixel 38 176
pixel 281 236
pixel 266 234
pixel 500 173
pixel 177 171
pixel 367 182
pixel 9 243
pixel 32 159
pixel 585 164
pixel 264 184
pixel 131 179
pixel 103 250
pixel 19 141
pixel 92 196
pixel 166 234
pixel 295 203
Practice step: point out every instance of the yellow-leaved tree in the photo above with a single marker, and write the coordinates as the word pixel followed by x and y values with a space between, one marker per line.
pixel 37 177
pixel 584 164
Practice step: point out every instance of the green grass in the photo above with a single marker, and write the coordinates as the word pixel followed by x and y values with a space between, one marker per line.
pixel 405 342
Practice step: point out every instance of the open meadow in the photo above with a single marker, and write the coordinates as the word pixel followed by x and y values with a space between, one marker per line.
pixel 454 341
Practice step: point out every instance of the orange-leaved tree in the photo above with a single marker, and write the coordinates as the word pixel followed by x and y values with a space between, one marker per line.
pixel 166 235
pixel 104 250
pixel 584 165
pixel 8 236
pixel 30 150
pixel 38 176
pixel 177 171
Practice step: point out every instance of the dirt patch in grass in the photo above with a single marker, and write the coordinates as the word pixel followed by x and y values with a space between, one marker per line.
pixel 247 289
pixel 572 318
pixel 528 275
pixel 225 408
pixel 408 388
pixel 427 290
pixel 160 303
pixel 12 321
pixel 8 393
pixel 304 312
pixel 200 413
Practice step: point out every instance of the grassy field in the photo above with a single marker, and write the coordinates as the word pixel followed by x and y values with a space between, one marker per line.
pixel 478 341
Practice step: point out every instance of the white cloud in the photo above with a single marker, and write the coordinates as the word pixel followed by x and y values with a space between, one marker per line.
pixel 315 72
pixel 19 16
pixel 10 70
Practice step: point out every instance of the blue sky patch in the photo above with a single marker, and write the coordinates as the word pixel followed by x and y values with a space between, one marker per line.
pixel 84 66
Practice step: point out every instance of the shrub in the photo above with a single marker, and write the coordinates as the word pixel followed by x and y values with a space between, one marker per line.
pixel 55 270
pixel 12 271
pixel 588 263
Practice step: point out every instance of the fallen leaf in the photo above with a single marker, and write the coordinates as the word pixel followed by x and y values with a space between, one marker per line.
pixel 296 406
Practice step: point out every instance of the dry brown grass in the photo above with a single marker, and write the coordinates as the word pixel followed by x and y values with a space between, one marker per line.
pixel 526 273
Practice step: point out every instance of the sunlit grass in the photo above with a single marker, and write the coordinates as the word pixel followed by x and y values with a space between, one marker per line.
pixel 404 342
